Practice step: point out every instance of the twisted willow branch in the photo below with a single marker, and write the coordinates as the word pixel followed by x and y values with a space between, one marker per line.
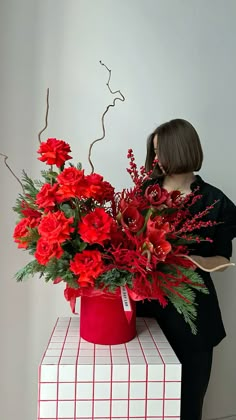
pixel 121 98
pixel 9 168
pixel 46 118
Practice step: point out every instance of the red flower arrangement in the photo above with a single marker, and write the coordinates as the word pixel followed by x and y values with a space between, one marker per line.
pixel 82 232
pixel 98 241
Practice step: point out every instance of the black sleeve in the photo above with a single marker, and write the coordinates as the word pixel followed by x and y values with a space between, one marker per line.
pixel 225 231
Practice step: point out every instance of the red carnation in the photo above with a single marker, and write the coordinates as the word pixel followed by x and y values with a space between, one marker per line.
pixel 55 227
pixel 54 152
pixel 21 231
pixel 96 227
pixel 46 197
pixel 46 250
pixel 88 265
pixel 156 195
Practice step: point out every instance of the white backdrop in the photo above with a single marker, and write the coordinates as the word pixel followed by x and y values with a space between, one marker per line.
pixel 173 58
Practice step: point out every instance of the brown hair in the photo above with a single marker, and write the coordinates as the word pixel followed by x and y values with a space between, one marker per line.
pixel 179 148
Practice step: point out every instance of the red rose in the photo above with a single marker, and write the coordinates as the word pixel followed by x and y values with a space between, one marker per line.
pixel 156 195
pixel 107 192
pixel 94 179
pixel 132 219
pixel 96 227
pixel 98 189
pixel 70 176
pixel 72 184
pixel 54 152
pixel 21 231
pixel 46 197
pixel 46 250
pixel 55 227
pixel 88 265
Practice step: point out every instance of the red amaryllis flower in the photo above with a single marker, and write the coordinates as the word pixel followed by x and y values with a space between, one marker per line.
pixel 46 197
pixel 22 231
pixel 156 195
pixel 157 223
pixel 129 202
pixel 132 219
pixel 88 265
pixel 157 244
pixel 72 184
pixel 96 227
pixel 46 250
pixel 54 152
pixel 55 227
pixel 174 198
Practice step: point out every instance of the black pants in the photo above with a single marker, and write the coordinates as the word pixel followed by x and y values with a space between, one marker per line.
pixel 196 364
pixel 196 369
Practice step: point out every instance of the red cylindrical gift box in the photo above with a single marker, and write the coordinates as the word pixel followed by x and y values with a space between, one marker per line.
pixel 103 320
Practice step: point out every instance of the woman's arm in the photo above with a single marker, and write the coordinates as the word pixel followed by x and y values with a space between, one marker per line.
pixel 209 263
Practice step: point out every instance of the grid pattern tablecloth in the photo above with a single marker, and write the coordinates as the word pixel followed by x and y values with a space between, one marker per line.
pixel 137 380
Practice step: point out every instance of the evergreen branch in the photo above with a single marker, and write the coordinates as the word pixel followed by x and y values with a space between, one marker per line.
pixel 114 278
pixel 185 308
pixel 49 176
pixel 29 270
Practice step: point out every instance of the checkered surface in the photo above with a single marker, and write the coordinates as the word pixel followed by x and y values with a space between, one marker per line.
pixel 137 380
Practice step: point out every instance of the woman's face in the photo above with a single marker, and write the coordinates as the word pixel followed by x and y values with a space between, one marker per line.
pixel 155 147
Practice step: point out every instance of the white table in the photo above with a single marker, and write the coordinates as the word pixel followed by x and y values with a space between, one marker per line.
pixel 137 380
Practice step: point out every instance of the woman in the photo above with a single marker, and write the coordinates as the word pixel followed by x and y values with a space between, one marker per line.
pixel 177 147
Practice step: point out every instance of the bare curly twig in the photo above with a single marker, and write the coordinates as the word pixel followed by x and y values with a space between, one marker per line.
pixel 46 118
pixel 9 168
pixel 122 99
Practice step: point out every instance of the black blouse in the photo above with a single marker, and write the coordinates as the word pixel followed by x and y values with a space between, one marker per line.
pixel 209 322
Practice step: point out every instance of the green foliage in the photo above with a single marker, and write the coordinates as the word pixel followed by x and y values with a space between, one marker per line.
pixel 49 176
pixel 196 279
pixel 61 268
pixel 67 210
pixel 29 270
pixel 186 308
pixel 29 188
pixel 29 195
pixel 114 278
